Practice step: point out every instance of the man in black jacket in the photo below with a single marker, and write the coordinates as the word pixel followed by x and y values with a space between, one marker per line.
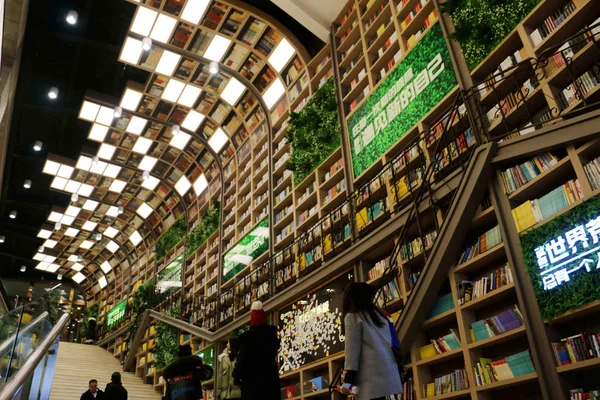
pixel 115 390
pixel 184 377
pixel 93 392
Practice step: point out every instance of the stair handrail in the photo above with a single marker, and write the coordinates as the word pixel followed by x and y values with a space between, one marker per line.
pixel 8 342
pixel 16 383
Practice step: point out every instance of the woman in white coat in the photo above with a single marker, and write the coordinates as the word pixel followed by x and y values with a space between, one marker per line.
pixel 371 369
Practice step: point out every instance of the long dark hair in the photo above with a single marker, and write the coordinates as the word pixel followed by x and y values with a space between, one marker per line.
pixel 358 297
pixel 234 347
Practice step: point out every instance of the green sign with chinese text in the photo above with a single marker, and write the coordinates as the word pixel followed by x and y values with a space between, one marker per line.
pixel 253 245
pixel 116 314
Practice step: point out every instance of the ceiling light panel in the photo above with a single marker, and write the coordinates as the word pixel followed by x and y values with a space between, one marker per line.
pixel 102 282
pixel 167 63
pixel 143 21
pixel 163 28
pixel 111 232
pixel 86 244
pixel 111 171
pixel 84 163
pixel 42 266
pixel 71 232
pixel 72 186
pixel 131 99
pixel 150 183
pixel 217 48
pixel 78 277
pixel 136 125
pixel 65 171
pixel 51 167
pixel 142 145
pixel 144 210
pixel 73 211
pixel 52 268
pixel 131 52
pixel 112 246
pixel 67 220
pixel 89 226
pixel 49 243
pixel 89 111
pixel 173 91
pixel 183 185
pixel 99 167
pixel 105 116
pixel 113 211
pixel 85 190
pixel 233 91
pixel 273 93
pixel 194 10
pixel 59 183
pixel 54 216
pixel 189 96
pixel 135 238
pixel 200 185
pixel 44 234
pixel 281 55
pixel 106 151
pixel 218 140
pixel 98 133
pixel 180 141
pixel 39 257
pixel 147 163
pixel 192 121
pixel 117 186
pixel 77 267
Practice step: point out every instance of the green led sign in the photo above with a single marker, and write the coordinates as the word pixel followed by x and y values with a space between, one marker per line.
pixel 253 245
pixel 169 279
pixel 563 259
pixel 417 84
pixel 116 314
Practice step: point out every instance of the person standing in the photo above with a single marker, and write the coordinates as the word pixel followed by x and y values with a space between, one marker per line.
pixel 370 363
pixel 227 389
pixel 115 390
pixel 184 377
pixel 93 393
pixel 256 368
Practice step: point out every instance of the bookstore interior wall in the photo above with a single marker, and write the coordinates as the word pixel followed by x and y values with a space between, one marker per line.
pixel 218 189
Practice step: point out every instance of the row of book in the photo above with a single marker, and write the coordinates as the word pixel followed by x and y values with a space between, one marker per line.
pixel 414 38
pixel 577 348
pixel 354 103
pixel 533 211
pixel 579 394
pixel 381 52
pixel 412 14
pixel 554 21
pixel 405 184
pixel 503 70
pixel 408 390
pixel 592 171
pixel 415 247
pixel 488 327
pixel 371 20
pixel 378 269
pixel 468 290
pixel 441 345
pixel 389 292
pixel 453 382
pixel 581 87
pixel 515 177
pixel 442 304
pixel 571 47
pixel 510 101
pixel 488 240
pixel 454 150
pixel 487 371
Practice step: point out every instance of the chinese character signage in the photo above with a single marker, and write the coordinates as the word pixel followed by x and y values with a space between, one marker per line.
pixel 563 259
pixel 423 78
pixel 116 314
pixel 253 245
pixel 170 278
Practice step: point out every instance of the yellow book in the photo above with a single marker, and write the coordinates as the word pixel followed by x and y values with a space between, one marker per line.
pixel 380 30
pixel 430 390
pixel 427 351
pixel 472 333
pixel 370 3
pixel 362 218
pixel 486 373
pixel 327 244
pixel 152 330
pixel 412 41
pixel 524 216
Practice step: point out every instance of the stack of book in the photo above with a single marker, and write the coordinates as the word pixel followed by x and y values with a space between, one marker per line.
pixel 592 171
pixel 485 242
pixel 442 304
pixel 553 21
pixel 378 269
pixel 441 345
pixel 579 394
pixel 531 212
pixel 581 347
pixel 503 322
pixel 581 87
pixel 453 382
pixel 517 176
pixel 488 371
pixel 468 290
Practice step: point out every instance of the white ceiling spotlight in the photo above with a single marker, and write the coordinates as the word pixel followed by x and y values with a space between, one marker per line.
pixel 117 112
pixel 23 268
pixel 175 130
pixel 98 237
pixel 146 44
pixel 74 197
pixel 53 93
pixel 27 184
pixel 57 226
pixel 145 175
pixel 95 161
pixel 13 214
pixel 41 249
pixel 120 210
pixel 59 277
pixel 213 67
pixel 37 146
pixel 72 17
pixel 2 239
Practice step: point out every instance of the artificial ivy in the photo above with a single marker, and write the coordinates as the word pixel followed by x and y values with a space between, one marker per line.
pixel 314 132
pixel 208 224
pixel 88 312
pixel 582 287
pixel 171 237
pixel 142 300
pixel 167 344
pixel 482 24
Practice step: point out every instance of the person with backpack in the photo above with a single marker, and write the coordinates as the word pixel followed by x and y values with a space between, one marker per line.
pixel 115 390
pixel 184 377
pixel 227 389
pixel 372 372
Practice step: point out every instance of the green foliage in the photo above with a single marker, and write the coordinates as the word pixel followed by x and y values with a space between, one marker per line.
pixel 167 343
pixel 582 287
pixel 88 312
pixel 171 237
pixel 142 298
pixel 314 132
pixel 208 224
pixel 482 24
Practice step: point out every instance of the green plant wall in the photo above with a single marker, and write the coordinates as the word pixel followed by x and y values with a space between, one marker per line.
pixel 142 299
pixel 582 286
pixel 314 132
pixel 208 224
pixel 482 24
pixel 167 341
pixel 171 237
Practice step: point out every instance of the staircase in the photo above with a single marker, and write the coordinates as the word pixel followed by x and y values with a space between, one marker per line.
pixel 77 364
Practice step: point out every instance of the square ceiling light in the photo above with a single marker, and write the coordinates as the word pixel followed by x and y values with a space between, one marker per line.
pixel 147 163
pixel 78 277
pixel 143 21
pixel 111 232
pixel 173 90
pixel 281 55
pixel 194 10
pixel 98 167
pixel 73 211
pixel 89 111
pixel 102 282
pixel 167 63
pixel 112 246
pixel 106 151
pixel 49 243
pixel 76 267
pixel 86 244
pixel 117 186
pixel 111 171
pixel 180 140
pixel 72 186
pixel 98 133
pixel 105 116
pixel 112 211
pixel 217 48
pixel 218 140
pixel 44 234
pixel 200 185
pixel 163 28
pixel 52 268
pixel 106 267
pixel 65 171
pixel 89 226
pixel 59 183
pixel 192 121
pixel 131 52
pixel 233 91
pixel 189 96
pixel 67 220
pixel 136 125
pixel 142 145
pixel 71 232
pixel 273 93
pixel 151 182
pixel 73 257
pixel 135 238
pixel 55 216
pixel 51 167
pixel 183 185
pixel 144 210
pixel 83 163
pixel 85 190
pixel 131 100
pixel 42 266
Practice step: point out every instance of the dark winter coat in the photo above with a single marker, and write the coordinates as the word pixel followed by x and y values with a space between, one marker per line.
pixel 89 396
pixel 256 368
pixel 115 391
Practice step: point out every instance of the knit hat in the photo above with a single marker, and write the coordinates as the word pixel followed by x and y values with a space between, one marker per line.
pixel 258 316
